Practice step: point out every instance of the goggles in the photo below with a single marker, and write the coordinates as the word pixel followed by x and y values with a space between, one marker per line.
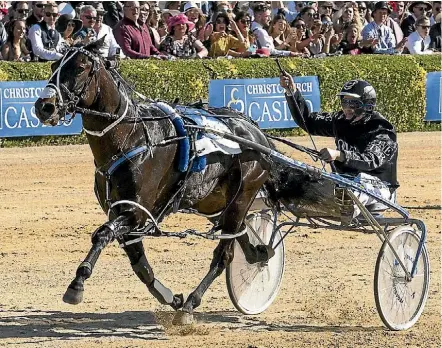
pixel 351 104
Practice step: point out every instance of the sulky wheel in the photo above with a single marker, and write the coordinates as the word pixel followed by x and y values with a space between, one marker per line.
pixel 400 302
pixel 253 287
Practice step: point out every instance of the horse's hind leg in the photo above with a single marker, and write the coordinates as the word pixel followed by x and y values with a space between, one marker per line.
pixel 142 269
pixel 102 236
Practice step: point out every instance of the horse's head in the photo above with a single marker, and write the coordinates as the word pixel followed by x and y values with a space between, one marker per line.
pixel 74 83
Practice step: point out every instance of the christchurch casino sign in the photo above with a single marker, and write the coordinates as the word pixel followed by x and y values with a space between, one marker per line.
pixel 18 113
pixel 263 99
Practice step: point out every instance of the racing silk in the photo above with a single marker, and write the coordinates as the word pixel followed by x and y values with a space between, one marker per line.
pixel 369 145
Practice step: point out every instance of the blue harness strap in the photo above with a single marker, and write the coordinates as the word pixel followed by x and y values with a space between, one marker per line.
pixel 125 157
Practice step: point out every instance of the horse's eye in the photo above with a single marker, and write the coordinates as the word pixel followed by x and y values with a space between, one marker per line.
pixel 81 68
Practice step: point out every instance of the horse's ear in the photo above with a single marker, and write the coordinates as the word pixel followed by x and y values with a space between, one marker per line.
pixel 95 46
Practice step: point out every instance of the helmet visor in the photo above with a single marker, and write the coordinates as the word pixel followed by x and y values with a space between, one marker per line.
pixel 353 104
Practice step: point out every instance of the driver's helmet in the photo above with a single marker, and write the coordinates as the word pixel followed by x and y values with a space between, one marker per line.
pixel 364 93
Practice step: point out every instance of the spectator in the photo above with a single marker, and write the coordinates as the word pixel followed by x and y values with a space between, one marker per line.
pixel 435 12
pixel 179 43
pixel 325 8
pixel 348 14
pixel 279 7
pixel 143 20
pixel 21 10
pixel 399 13
pixel 162 30
pixel 395 27
pixel 223 43
pixel 37 16
pixel 152 23
pixel 113 13
pixel 435 34
pixel 386 42
pixel 67 27
pixel 417 9
pixel 166 14
pixel 88 16
pixel 263 39
pixel 173 5
pixel 133 38
pixel 46 42
pixel 110 47
pixel 419 41
pixel 302 41
pixel 14 48
pixel 364 14
pixel 308 14
pixel 352 43
pixel 243 21
pixel 321 38
pixel 195 15
pixel 280 32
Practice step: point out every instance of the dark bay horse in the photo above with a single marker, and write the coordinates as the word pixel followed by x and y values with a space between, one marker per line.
pixel 144 182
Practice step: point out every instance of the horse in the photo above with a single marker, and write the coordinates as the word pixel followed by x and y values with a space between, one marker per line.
pixel 136 148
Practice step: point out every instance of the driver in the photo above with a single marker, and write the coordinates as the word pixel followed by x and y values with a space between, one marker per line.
pixel 366 147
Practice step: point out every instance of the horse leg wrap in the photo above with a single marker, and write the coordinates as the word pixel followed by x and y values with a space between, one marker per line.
pixel 143 270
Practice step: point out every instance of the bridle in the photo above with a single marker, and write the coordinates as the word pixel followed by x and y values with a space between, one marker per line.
pixel 70 106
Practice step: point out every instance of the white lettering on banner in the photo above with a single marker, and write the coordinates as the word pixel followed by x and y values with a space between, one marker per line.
pixel 23 120
pixel 275 88
pixel 273 112
pixel 22 93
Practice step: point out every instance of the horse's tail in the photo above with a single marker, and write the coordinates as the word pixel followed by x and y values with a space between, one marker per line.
pixel 289 186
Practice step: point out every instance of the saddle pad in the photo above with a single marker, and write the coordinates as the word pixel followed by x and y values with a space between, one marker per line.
pixel 209 143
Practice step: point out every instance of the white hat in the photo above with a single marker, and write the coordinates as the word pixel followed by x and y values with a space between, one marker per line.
pixel 189 5
pixel 66 8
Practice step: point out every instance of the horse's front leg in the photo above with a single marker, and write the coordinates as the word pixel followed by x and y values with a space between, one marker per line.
pixel 102 236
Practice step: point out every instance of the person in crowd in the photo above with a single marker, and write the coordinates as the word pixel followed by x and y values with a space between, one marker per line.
pixel 179 43
pixel 113 14
pixel 435 12
pixel 88 16
pixel 366 144
pixel 67 27
pixel 322 38
pixel 325 8
pixel 46 42
pixel 243 22
pixel 308 14
pixel 263 39
pixel 110 47
pixel 348 14
pixel 352 43
pixel 143 20
pixel 173 5
pixel 364 14
pixel 399 12
pixel 419 41
pixel 386 42
pixel 166 14
pixel 280 7
pixel 21 10
pixel 14 49
pixel 162 30
pixel 37 15
pixel 435 34
pixel 300 44
pixel 133 38
pixel 152 23
pixel 417 10
pixel 223 43
pixel 195 15
pixel 280 31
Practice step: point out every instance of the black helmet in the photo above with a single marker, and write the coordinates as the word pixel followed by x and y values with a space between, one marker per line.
pixel 363 91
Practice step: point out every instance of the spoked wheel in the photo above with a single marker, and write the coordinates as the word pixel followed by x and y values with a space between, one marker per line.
pixel 400 302
pixel 253 287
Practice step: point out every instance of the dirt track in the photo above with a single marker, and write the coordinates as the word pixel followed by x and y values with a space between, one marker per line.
pixel 48 211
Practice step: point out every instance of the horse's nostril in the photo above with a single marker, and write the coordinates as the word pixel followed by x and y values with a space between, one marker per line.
pixel 48 108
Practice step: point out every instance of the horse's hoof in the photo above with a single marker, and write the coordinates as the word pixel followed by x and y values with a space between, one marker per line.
pixel 73 296
pixel 183 318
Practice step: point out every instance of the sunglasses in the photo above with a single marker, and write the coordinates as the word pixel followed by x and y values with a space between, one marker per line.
pixel 22 11
pixel 245 21
pixel 351 103
pixel 310 14
pixel 437 9
pixel 362 8
pixel 425 26
pixel 53 15
pixel 91 18
pixel 220 21
pixel 300 26
pixel 422 9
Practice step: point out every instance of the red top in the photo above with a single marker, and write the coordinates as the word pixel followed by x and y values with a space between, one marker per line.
pixel 134 40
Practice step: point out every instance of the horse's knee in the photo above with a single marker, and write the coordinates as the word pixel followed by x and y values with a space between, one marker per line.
pixel 104 234
pixel 143 270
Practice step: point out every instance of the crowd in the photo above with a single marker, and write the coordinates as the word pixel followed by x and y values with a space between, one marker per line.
pixel 42 30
